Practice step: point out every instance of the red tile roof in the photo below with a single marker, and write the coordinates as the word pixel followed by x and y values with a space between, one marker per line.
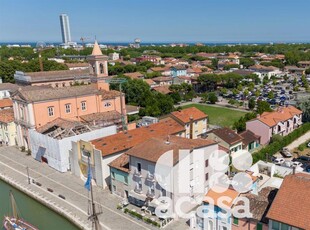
pixel 152 149
pixel 6 103
pixel 124 141
pixel 273 118
pixel 227 135
pixel 121 163
pixel 185 115
pixel 164 89
pixel 6 115
pixel 292 203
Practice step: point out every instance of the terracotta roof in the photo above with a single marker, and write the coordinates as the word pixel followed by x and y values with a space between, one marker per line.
pixel 6 115
pixel 260 204
pixel 59 122
pixel 124 141
pixel 248 137
pixel 135 75
pixel 161 79
pixel 292 203
pixel 179 67
pixel 231 193
pixel 57 75
pixel 96 50
pixel 149 82
pixel 6 102
pixel 121 163
pixel 282 114
pixel 34 94
pixel 185 115
pixel 164 89
pixel 159 69
pixel 152 149
pixel 227 135
pixel 102 116
pixel 78 64
pixel 8 86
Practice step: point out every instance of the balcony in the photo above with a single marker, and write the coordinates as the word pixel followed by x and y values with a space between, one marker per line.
pixel 150 177
pixel 138 173
pixel 138 190
pixel 150 194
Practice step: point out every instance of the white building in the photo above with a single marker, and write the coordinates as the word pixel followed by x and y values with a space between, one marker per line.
pixel 65 28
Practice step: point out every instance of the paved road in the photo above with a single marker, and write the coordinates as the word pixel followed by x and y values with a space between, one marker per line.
pixel 13 164
pixel 299 141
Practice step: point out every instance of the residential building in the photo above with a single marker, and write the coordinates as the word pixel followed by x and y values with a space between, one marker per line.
pixel 164 89
pixel 227 138
pixel 304 64
pixel 193 120
pixel 6 89
pixel 295 70
pixel 135 75
pixel 282 121
pixel 179 70
pixel 7 127
pixel 6 103
pixel 182 79
pixel 266 71
pixel 250 141
pixel 113 56
pixel 291 207
pixel 104 150
pixel 154 59
pixel 162 80
pixel 144 189
pixel 165 71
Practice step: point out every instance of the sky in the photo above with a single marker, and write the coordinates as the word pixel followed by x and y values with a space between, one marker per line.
pixel 157 20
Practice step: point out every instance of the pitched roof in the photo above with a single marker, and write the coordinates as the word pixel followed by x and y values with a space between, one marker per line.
pixel 160 79
pixel 282 114
pixel 126 140
pixel 227 135
pixel 8 86
pixel 248 137
pixel 292 203
pixel 96 50
pixel 35 94
pixel 6 115
pixel 149 82
pixel 135 75
pixel 164 89
pixel 121 163
pixel 185 115
pixel 215 196
pixel 6 102
pixel 153 148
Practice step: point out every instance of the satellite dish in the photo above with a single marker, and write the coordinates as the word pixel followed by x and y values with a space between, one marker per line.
pixel 40 45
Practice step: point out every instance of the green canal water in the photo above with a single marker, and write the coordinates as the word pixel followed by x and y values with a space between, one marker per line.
pixel 31 210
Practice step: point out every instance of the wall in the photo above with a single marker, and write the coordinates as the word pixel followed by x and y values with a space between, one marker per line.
pixel 119 182
pixel 8 133
pixel 260 129
pixel 244 224
pixel 57 151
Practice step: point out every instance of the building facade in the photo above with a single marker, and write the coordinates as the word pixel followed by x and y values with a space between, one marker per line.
pixel 65 28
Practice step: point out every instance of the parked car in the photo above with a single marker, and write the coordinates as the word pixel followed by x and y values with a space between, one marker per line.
pixel 297 164
pixel 308 145
pixel 278 161
pixel 285 152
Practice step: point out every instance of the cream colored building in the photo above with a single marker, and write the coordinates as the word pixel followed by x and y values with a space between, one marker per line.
pixel 8 135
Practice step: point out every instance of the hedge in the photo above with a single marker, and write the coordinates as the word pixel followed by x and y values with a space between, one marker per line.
pixel 276 146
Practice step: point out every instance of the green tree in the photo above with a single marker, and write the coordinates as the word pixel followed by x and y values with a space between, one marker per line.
pixel 247 62
pixel 271 95
pixel 263 106
pixel 212 98
pixel 251 103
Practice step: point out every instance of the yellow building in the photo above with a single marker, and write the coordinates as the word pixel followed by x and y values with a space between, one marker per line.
pixel 7 127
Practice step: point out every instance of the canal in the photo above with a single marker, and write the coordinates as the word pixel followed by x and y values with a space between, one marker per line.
pixel 31 210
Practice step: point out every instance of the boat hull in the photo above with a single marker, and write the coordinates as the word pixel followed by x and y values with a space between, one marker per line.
pixel 11 223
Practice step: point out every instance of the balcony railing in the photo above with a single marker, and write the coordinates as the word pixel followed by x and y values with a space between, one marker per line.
pixel 138 173
pixel 138 190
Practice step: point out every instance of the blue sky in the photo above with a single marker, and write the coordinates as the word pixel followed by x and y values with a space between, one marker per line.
pixel 157 20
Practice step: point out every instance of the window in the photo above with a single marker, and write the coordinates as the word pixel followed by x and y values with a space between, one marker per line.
pixel 68 108
pixel 275 225
pixel 259 226
pixel 50 111
pixel 288 124
pixel 196 123
pixel 206 163
pixel 139 167
pixel 207 176
pixel 83 105
pixel 107 104
pixel 236 221
pixel 113 174
pixel 284 227
pixel 22 113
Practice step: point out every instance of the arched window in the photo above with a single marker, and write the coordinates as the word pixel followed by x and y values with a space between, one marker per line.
pixel 101 67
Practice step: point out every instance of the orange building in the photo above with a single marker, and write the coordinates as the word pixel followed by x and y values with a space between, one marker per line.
pixel 36 106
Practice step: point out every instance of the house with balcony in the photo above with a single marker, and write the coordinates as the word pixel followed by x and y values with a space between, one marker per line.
pixel 194 121
pixel 144 188
pixel 227 138
pixel 291 206
pixel 282 122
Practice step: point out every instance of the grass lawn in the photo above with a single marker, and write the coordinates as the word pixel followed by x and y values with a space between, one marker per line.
pixel 219 116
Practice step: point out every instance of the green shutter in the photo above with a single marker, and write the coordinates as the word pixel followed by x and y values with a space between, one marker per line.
pixel 236 221
pixel 259 226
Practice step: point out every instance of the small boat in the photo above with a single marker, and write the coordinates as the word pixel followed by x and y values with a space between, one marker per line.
pixel 15 222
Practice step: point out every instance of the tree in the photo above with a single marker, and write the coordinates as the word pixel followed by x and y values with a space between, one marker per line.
pixel 212 98
pixel 247 62
pixel 263 106
pixel 252 103
pixel 240 125
pixel 305 107
pixel 271 95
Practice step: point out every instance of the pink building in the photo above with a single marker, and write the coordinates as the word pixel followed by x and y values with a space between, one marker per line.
pixel 282 122
pixel 35 106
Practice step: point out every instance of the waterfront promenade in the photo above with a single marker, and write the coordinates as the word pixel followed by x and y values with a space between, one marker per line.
pixel 13 165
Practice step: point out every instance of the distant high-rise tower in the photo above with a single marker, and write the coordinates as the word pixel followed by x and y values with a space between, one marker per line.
pixel 65 28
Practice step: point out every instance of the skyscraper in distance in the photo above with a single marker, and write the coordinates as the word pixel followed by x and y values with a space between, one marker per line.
pixel 65 28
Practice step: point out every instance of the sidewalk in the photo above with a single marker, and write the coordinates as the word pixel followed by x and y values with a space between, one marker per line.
pixel 299 141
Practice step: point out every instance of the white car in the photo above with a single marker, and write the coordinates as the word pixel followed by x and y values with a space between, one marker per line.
pixel 279 161
pixel 297 164
pixel 308 145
